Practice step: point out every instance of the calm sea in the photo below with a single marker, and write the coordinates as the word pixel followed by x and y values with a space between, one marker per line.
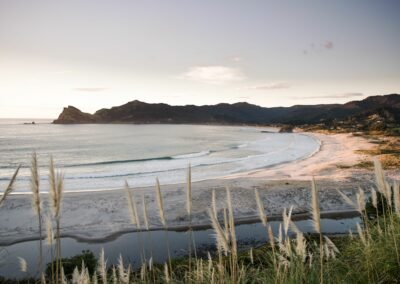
pixel 97 157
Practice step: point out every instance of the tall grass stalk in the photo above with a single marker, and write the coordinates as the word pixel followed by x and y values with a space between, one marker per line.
pixel 102 267
pixel 50 240
pixel 160 204
pixel 147 227
pixel 214 203
pixel 392 198
pixel 145 214
pixel 56 195
pixel 260 207
pixel 189 212
pixel 232 232
pixel 36 205
pixel 132 206
pixel 135 220
pixel 10 186
pixel 316 221
pixel 23 265
pixel 222 241
pixel 264 221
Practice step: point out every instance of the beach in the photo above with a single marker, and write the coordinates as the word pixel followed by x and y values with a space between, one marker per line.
pixel 97 215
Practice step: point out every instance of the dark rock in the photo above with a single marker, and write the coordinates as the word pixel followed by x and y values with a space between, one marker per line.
pixel 286 129
pixel 71 115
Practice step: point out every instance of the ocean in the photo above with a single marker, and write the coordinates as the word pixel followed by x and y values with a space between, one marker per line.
pixel 103 156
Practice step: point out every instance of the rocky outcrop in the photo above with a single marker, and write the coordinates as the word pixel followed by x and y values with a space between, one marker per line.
pixel 72 115
pixel 286 129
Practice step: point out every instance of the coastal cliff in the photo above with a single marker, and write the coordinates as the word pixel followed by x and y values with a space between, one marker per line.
pixel 377 110
pixel 72 115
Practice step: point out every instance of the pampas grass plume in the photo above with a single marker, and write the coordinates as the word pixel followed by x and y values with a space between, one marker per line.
pixel 222 242
pixel 23 265
pixel 102 266
pixel 189 192
pixel 280 236
pixel 301 246
pixel 374 198
pixel 346 198
pixel 145 217
pixel 56 188
pixel 361 234
pixel 271 236
pixel 360 200
pixel 160 203
pixel 35 185
pixel 214 203
pixel 251 256
pixel 331 245
pixel 231 221
pixel 10 186
pixel 166 273
pixel 379 176
pixel 315 207
pixel 130 204
pixel 396 197
pixel 287 219
pixel 49 232
pixel 260 207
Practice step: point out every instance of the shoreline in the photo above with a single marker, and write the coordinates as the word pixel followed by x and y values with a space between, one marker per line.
pixel 335 150
pixel 222 177
pixel 98 214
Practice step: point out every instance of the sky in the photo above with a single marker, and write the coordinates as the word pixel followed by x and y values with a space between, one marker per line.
pixel 95 53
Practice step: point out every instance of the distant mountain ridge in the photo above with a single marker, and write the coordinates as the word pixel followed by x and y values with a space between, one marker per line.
pixel 237 113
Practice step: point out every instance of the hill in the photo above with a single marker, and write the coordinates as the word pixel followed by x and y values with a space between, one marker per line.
pixel 376 109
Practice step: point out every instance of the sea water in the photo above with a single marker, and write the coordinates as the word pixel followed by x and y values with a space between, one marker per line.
pixel 103 156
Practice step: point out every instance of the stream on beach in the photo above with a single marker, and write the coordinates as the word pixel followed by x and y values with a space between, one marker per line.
pixel 130 245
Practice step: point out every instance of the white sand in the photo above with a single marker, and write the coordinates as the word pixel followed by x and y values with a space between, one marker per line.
pixel 95 215
pixel 336 149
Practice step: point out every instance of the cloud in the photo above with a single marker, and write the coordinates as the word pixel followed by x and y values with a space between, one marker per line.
pixel 317 48
pixel 91 89
pixel 336 96
pixel 236 58
pixel 271 86
pixel 328 44
pixel 213 74
pixel 62 72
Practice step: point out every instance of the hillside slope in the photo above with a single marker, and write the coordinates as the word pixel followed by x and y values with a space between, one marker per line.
pixel 238 113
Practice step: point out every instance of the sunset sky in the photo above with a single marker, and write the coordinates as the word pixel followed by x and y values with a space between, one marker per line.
pixel 94 54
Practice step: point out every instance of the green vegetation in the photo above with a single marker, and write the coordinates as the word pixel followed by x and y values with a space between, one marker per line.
pixel 370 255
pixel 86 258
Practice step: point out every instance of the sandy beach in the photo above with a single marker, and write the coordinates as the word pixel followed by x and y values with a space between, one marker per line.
pixel 97 215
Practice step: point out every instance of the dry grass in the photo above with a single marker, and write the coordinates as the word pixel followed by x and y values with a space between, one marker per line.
pixel 387 150
pixel 37 205
pixel 160 204
pixel 10 186
pixel 132 206
pixel 298 259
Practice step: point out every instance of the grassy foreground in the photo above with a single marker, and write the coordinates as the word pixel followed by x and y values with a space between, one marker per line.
pixel 370 255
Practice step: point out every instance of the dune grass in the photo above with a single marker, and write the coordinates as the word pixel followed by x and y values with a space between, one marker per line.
pixel 370 255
